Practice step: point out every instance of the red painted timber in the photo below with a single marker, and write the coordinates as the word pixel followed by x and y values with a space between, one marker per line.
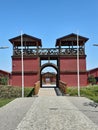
pixel 70 64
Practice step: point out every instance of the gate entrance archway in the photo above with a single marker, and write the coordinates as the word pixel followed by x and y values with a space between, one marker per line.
pixel 49 79
pixel 64 52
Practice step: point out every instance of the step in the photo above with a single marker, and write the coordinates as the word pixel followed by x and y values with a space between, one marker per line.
pixel 47 92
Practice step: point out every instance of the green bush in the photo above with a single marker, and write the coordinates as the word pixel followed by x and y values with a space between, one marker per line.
pixel 90 92
pixel 92 80
pixel 28 92
pixel 72 91
pixel 4 80
pixel 14 92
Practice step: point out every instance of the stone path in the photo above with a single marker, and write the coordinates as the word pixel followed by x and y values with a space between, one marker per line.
pixel 49 113
pixel 47 92
pixel 12 113
pixel 55 113
pixel 86 106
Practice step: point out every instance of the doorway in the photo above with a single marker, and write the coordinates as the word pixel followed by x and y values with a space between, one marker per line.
pixel 49 74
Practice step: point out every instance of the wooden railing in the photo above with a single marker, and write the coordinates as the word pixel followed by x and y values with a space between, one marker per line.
pixel 36 87
pixel 48 51
pixel 62 86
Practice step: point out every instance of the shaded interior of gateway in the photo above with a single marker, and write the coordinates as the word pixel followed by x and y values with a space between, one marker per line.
pixel 49 79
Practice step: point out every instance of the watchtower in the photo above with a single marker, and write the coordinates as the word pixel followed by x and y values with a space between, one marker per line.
pixel 31 63
pixel 65 53
pixel 68 59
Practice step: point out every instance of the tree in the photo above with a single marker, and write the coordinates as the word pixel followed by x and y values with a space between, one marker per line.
pixel 4 80
pixel 91 79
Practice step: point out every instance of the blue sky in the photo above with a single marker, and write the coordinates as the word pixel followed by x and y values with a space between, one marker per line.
pixel 48 20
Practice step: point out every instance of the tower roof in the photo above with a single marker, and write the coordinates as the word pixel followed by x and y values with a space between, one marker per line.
pixel 27 40
pixel 71 39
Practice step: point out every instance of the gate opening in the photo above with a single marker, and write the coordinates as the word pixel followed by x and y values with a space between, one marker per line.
pixel 49 74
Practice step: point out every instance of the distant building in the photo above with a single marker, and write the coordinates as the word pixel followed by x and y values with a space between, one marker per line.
pixel 6 75
pixel 93 72
pixel 48 78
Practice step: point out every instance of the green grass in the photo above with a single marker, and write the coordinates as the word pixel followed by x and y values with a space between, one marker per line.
pixel 4 101
pixel 14 92
pixel 90 92
pixel 9 93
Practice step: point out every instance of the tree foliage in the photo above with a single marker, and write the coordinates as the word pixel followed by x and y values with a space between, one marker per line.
pixel 91 79
pixel 4 80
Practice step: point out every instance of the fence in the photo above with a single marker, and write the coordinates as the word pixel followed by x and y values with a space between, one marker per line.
pixel 63 87
pixel 36 87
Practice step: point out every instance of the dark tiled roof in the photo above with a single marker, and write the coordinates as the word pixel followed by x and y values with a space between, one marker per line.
pixel 70 39
pixel 27 39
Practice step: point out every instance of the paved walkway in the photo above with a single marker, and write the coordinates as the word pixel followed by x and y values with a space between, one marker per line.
pixel 12 113
pixel 86 106
pixel 55 113
pixel 47 92
pixel 49 113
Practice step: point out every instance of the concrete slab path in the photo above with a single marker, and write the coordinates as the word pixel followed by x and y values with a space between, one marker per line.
pixel 12 113
pixel 49 113
pixel 55 113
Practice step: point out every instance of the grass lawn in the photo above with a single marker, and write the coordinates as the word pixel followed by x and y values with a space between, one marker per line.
pixel 90 92
pixel 4 101
pixel 9 93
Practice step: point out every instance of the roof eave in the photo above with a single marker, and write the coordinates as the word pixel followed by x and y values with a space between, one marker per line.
pixel 72 34
pixel 34 38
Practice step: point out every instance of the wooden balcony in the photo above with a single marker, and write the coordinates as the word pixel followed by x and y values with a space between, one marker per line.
pixel 49 52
